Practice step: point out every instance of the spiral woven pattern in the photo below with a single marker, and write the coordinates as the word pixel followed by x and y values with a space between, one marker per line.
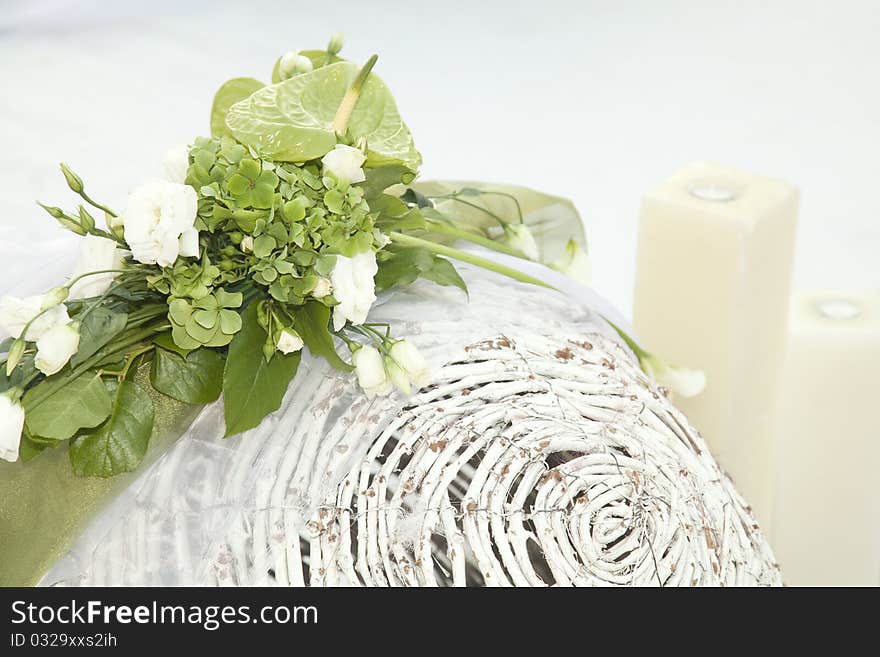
pixel 530 463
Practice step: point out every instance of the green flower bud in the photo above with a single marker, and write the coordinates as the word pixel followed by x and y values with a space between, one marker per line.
pixel 268 349
pixel 73 180
pixel 14 355
pixel 54 296
pixel 335 44
pixel 228 251
pixel 114 223
pixel 236 237
pixel 57 213
pixel 86 220
pixel 226 265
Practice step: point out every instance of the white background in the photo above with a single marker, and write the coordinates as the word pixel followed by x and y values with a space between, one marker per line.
pixel 592 100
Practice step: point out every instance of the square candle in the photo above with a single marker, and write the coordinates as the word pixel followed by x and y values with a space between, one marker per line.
pixel 826 521
pixel 712 292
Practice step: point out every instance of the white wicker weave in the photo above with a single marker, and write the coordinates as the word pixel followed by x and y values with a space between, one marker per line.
pixel 540 455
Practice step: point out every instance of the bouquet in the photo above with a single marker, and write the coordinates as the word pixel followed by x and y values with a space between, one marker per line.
pixel 272 235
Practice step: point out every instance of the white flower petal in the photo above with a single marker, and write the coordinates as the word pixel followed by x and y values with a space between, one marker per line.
pixel 345 163
pixel 95 254
pixel 11 425
pixel 55 348
pixel 176 163
pixel 157 214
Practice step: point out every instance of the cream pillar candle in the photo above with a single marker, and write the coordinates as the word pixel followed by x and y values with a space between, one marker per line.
pixel 712 292
pixel 826 527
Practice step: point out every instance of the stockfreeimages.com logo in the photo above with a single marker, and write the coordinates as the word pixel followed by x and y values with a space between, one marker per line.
pixel 210 617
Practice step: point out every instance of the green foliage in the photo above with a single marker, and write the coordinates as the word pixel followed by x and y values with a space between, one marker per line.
pixel 381 178
pixel 97 329
pixel 291 121
pixel 80 404
pixel 402 266
pixel 196 378
pixel 312 322
pixel 186 279
pixel 118 445
pixel 252 386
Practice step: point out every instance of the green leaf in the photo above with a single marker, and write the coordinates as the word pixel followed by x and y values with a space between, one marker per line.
pixel 381 178
pixel 253 387
pixel 119 444
pixel 195 379
pixel 403 267
pixel 99 327
pixel 312 322
pixel 292 120
pixel 166 341
pixel 29 449
pixel 80 404
pixel 443 272
pixel 230 92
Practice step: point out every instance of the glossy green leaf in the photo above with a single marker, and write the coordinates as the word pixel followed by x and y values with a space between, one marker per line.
pixel 97 329
pixel 80 404
pixel 292 120
pixel 195 379
pixel 231 92
pixel 253 387
pixel 119 444
pixel 312 323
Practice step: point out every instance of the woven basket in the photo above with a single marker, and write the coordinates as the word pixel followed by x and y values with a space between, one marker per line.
pixel 530 461
pixel 527 464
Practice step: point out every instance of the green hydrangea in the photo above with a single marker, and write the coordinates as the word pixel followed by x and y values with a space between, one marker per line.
pixel 252 186
pixel 210 321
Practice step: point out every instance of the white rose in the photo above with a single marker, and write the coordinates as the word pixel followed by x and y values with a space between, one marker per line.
pixel 353 288
pixel 176 163
pixel 412 364
pixel 322 288
pixel 520 238
pixel 15 313
pixel 247 244
pixel 370 370
pixel 288 341
pixel 680 380
pixel 11 424
pixel 575 263
pixel 55 347
pixel 345 163
pixel 158 222
pixel 95 254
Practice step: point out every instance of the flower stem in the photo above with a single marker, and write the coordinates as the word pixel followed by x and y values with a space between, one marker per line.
pixel 93 273
pixel 53 386
pixel 346 107
pixel 95 204
pixel 445 229
pixel 455 197
pixel 632 344
pixel 464 256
